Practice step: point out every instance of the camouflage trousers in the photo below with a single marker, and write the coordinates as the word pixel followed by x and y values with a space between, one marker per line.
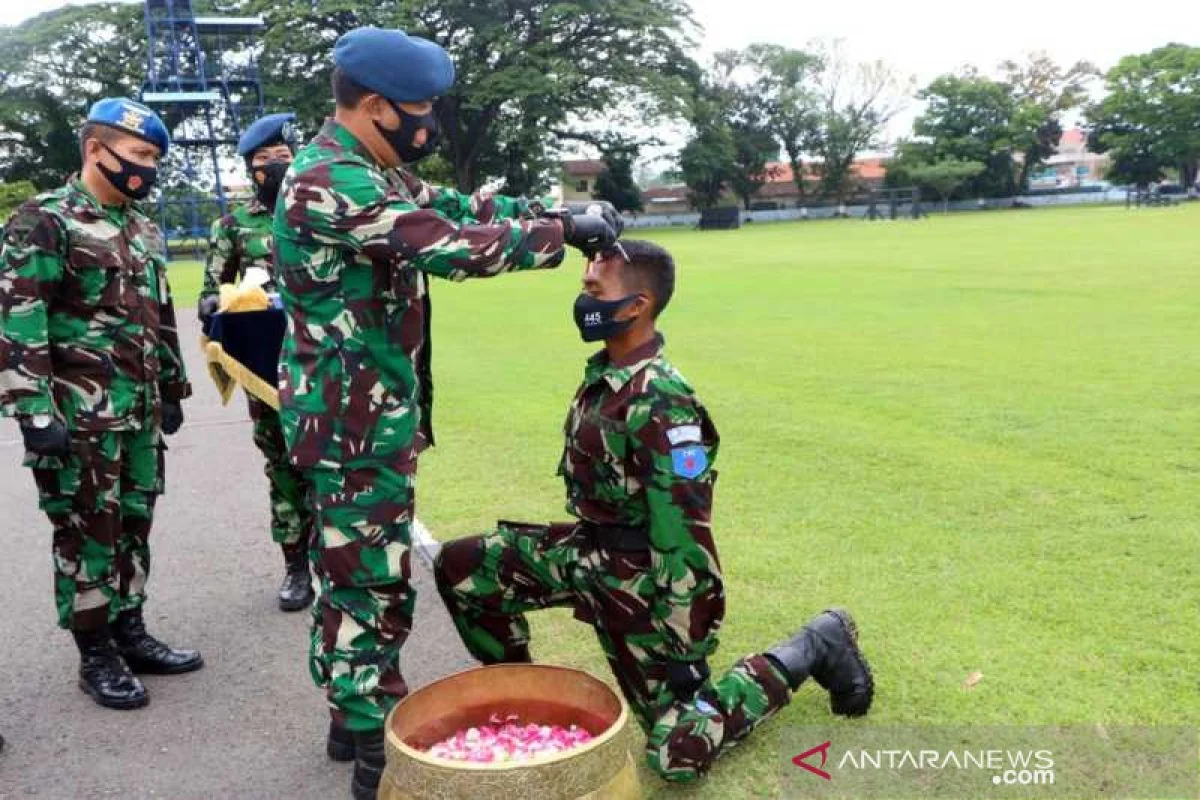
pixel 361 550
pixel 100 500
pixel 291 520
pixel 488 582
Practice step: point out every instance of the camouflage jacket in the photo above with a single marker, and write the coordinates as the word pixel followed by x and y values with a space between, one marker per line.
pixel 639 452
pixel 87 326
pixel 354 245
pixel 239 240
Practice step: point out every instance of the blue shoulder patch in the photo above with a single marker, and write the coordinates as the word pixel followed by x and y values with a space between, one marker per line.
pixel 688 462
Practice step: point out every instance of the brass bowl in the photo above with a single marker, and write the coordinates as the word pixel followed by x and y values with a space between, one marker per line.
pixel 602 769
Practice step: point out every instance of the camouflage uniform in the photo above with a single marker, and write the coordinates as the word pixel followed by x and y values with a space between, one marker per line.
pixel 639 564
pixel 87 334
pixel 241 240
pixel 354 247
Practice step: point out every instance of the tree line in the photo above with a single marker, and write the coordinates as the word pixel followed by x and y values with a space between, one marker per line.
pixel 538 76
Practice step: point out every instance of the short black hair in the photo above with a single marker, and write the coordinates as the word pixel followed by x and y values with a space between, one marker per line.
pixel 347 92
pixel 95 130
pixel 649 267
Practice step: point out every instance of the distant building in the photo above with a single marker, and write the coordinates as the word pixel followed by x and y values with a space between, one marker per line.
pixel 579 179
pixel 670 199
pixel 1072 165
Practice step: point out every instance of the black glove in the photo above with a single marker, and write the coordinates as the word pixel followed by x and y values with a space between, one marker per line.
pixel 172 416
pixel 589 233
pixel 207 307
pixel 686 677
pixel 601 208
pixel 52 440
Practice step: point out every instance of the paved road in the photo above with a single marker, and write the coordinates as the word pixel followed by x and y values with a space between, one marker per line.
pixel 248 725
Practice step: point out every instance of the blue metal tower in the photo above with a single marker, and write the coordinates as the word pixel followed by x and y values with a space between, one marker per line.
pixel 202 78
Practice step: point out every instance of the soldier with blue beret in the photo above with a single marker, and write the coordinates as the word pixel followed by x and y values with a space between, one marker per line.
pixel 91 369
pixel 357 239
pixel 238 241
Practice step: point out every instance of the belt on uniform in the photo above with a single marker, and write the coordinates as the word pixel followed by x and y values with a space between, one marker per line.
pixel 618 537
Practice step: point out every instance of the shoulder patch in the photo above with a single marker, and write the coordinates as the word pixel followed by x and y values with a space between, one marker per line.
pixel 683 433
pixel 688 462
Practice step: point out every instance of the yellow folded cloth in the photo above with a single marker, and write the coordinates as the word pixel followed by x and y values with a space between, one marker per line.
pixel 243 298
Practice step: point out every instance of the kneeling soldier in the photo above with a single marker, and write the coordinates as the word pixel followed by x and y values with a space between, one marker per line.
pixel 639 562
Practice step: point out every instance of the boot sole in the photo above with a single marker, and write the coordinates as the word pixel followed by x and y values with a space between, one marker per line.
pixel 855 704
pixel 361 791
pixel 139 668
pixel 119 705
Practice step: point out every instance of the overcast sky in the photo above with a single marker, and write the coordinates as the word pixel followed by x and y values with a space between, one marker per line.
pixel 922 38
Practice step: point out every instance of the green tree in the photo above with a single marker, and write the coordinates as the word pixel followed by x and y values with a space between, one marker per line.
pixel 1043 91
pixel 857 101
pixel 968 117
pixel 785 82
pixel 707 161
pixel 616 184
pixel 723 98
pixel 945 176
pixel 52 68
pixel 1147 121
pixel 524 67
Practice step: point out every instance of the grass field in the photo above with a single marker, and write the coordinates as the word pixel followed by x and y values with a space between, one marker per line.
pixel 980 432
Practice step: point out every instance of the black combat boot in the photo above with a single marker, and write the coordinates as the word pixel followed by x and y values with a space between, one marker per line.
pixel 296 591
pixel 102 673
pixel 827 650
pixel 340 744
pixel 146 655
pixel 368 764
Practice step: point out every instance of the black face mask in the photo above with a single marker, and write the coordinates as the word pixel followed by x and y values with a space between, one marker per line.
pixel 267 189
pixel 132 180
pixel 594 318
pixel 401 140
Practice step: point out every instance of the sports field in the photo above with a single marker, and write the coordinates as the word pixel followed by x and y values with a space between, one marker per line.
pixel 979 432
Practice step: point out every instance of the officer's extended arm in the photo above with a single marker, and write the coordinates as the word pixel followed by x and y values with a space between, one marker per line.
pixel 421 238
pixel 31 267
pixel 691 598
pixel 483 207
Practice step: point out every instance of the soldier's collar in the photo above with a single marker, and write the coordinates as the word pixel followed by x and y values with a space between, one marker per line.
pixel 86 201
pixel 342 135
pixel 619 373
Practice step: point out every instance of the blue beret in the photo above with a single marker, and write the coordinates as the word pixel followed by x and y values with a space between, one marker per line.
pixel 131 117
pixel 268 130
pixel 402 68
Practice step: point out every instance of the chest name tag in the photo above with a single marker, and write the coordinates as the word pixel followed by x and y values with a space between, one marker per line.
pixel 688 462
pixel 683 433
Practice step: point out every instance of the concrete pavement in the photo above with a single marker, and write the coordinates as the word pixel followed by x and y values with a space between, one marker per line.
pixel 248 725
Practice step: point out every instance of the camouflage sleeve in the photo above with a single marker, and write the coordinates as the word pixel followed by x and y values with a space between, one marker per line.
pixel 222 264
pixel 172 376
pixel 31 267
pixel 673 446
pixel 482 206
pixel 345 204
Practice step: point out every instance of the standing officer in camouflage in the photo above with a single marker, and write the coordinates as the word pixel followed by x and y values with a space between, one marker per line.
pixel 241 240
pixel 356 238
pixel 90 368
pixel 639 562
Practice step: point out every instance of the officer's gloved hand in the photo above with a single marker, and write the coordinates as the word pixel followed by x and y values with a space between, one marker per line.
pixel 207 307
pixel 172 417
pixel 45 436
pixel 686 677
pixel 599 208
pixel 589 233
